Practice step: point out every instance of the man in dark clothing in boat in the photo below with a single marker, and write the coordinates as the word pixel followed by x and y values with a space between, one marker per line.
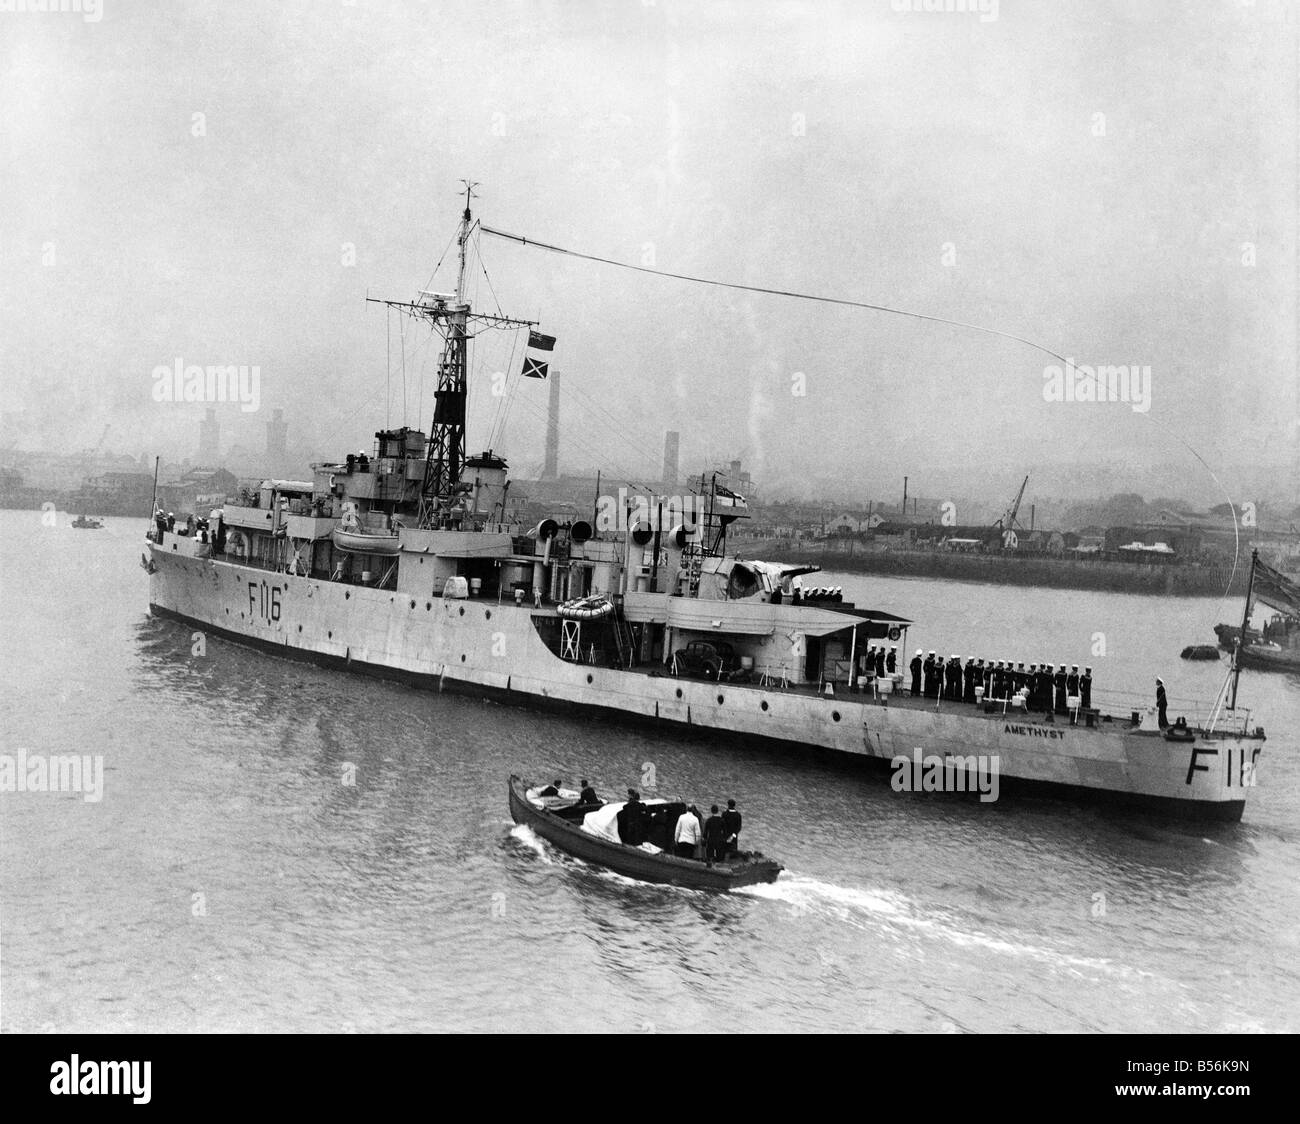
pixel 552 789
pixel 631 826
pixel 731 827
pixel 715 834
pixel 1162 703
pixel 588 794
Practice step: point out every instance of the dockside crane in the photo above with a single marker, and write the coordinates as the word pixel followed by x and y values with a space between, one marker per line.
pixel 1007 522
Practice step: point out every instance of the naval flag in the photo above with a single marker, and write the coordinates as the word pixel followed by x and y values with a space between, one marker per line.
pixel 1275 590
pixel 535 366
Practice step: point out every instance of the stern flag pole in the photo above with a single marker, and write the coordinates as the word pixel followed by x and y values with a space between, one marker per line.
pixel 153 505
pixel 1241 638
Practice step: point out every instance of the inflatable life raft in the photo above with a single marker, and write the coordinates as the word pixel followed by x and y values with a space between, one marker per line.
pixel 586 608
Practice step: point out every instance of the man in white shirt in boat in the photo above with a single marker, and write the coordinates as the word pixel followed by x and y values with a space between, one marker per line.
pixel 687 834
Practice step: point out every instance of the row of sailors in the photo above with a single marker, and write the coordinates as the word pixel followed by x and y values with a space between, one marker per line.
pixel 1045 689
pixel 878 662
pixel 827 594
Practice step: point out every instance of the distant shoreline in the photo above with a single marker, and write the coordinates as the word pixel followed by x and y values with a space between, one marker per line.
pixel 1162 579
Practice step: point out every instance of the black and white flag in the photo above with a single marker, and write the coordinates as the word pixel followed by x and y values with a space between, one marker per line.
pixel 535 365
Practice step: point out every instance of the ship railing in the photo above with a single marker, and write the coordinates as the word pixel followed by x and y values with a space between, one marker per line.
pixel 1198 711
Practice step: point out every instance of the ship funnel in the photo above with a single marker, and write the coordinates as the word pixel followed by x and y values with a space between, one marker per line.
pixel 642 532
pixel 580 531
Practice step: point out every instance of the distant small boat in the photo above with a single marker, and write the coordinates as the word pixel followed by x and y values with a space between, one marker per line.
pixel 562 824
pixel 1260 654
pixel 83 523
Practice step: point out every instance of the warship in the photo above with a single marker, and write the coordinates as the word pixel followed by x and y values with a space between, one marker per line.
pixel 405 563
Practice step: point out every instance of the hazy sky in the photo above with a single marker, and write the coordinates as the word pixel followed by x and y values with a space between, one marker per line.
pixel 1085 175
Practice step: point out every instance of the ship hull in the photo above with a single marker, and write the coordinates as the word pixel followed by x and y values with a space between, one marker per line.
pixel 493 650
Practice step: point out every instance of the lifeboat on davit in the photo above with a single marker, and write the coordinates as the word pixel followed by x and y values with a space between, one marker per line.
pixel 349 536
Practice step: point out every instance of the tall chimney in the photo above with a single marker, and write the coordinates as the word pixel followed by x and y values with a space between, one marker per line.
pixel 552 469
pixel 668 485
pixel 209 439
pixel 277 431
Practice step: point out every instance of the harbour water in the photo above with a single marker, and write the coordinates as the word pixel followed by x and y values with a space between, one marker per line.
pixel 285 848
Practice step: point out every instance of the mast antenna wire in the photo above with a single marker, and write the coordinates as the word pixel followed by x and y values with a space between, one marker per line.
pixel 771 292
pixel 843 302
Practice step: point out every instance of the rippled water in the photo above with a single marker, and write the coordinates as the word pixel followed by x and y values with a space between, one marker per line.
pixel 229 880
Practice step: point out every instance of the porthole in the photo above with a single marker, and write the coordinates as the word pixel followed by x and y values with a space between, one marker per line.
pixel 462 610
pixel 347 593
pixel 300 628
pixel 835 715
pixel 763 704
pixel 412 604
pixel 679 692
pixel 428 605
pixel 589 679
pixel 487 615
pixel 330 635
pixel 719 698
pixel 462 658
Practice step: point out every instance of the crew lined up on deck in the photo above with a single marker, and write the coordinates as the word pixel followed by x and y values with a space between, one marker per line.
pixel 877 661
pixel 936 678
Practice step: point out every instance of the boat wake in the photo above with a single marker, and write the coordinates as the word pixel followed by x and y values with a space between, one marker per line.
pixel 532 841
pixel 895 914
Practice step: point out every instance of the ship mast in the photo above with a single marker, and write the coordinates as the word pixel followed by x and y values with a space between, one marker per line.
pixel 1241 638
pixel 451 315
pixel 447 434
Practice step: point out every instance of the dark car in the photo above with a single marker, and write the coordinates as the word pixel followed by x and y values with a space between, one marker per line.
pixel 714 659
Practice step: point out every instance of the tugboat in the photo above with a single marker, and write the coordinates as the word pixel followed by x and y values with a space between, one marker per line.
pixel 642 614
pixel 1275 647
pixel 85 523
pixel 589 832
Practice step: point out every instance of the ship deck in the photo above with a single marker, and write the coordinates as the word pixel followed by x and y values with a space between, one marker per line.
pixel 1114 718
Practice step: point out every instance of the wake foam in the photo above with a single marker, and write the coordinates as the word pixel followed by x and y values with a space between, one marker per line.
pixel 895 914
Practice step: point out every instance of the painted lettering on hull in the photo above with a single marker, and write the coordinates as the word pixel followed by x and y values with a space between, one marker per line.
pixel 263 601
pixel 1033 731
